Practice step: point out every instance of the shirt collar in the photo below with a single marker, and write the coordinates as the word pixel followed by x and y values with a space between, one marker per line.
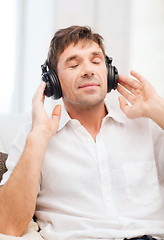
pixel 65 118
pixel 114 112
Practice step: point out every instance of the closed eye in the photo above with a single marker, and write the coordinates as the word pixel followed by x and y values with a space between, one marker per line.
pixel 74 66
pixel 96 62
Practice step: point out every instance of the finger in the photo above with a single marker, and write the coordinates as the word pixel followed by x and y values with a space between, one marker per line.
pixel 41 88
pixel 56 117
pixel 56 112
pixel 123 105
pixel 39 94
pixel 129 81
pixel 133 90
pixel 125 94
pixel 138 76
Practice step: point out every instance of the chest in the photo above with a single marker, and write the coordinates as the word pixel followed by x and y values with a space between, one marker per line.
pixel 74 160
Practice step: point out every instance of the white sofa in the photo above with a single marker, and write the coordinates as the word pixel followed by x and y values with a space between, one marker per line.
pixel 10 124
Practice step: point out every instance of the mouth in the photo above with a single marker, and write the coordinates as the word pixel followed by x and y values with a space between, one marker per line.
pixel 89 85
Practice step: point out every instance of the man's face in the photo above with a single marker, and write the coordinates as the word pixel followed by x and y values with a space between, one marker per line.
pixel 83 74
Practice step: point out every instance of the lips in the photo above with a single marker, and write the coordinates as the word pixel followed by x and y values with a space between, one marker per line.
pixel 85 85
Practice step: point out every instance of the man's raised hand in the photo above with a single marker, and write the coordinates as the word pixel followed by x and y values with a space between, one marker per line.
pixel 143 98
pixel 40 121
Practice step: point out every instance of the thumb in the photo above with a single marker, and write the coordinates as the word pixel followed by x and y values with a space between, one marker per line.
pixel 56 114
pixel 123 105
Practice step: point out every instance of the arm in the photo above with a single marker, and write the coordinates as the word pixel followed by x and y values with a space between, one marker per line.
pixel 145 102
pixel 18 196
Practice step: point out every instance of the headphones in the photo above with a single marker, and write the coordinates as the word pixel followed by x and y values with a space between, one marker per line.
pixel 53 87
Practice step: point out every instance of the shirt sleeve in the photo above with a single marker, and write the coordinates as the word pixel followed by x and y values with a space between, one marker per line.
pixel 15 152
pixel 158 141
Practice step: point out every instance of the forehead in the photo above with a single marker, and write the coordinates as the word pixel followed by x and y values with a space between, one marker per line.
pixel 82 48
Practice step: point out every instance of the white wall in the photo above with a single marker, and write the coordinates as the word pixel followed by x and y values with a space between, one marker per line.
pixel 7 27
pixel 42 18
pixel 147 41
pixel 35 24
pixel 133 32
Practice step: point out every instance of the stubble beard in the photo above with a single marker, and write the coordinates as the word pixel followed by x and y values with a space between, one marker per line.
pixel 86 102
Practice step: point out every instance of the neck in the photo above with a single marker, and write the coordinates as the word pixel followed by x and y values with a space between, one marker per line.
pixel 90 117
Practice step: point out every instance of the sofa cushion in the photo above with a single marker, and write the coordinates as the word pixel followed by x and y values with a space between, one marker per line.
pixel 10 125
pixel 3 169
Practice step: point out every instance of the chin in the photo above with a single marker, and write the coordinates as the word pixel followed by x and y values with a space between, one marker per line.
pixel 91 100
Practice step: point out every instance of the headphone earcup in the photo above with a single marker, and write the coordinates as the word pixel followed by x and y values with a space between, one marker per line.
pixel 53 87
pixel 112 75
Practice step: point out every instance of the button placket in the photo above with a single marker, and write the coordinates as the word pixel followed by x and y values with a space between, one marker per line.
pixel 105 178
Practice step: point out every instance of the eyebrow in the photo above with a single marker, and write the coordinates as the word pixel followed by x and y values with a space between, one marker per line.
pixel 97 54
pixel 71 58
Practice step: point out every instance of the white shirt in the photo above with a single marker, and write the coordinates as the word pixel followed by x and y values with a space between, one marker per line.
pixel 109 189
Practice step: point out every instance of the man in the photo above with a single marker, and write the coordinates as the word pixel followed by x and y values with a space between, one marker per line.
pixel 100 174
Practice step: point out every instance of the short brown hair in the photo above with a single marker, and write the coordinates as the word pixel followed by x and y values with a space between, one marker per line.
pixel 64 37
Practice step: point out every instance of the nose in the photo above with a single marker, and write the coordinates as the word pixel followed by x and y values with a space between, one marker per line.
pixel 87 71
